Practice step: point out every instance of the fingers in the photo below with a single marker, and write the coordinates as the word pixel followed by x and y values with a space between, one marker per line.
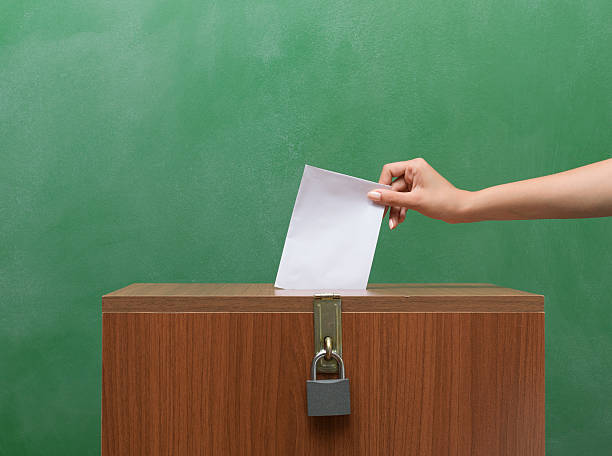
pixel 391 170
pixel 399 198
pixel 400 185
pixel 398 203
pixel 402 216
pixel 393 198
pixel 398 169
pixel 394 214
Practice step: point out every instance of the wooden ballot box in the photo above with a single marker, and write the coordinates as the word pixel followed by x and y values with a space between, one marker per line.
pixel 215 369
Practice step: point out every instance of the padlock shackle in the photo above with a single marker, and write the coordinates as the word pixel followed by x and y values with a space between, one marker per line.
pixel 321 354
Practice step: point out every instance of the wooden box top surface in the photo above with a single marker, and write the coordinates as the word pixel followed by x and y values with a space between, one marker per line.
pixel 263 297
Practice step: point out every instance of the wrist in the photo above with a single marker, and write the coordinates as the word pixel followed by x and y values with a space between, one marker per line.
pixel 467 207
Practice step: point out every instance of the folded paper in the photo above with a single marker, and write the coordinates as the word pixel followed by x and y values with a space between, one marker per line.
pixel 332 235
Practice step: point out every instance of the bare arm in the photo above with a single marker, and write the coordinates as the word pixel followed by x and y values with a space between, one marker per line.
pixel 577 193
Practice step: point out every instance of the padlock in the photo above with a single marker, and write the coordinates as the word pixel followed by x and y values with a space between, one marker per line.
pixel 328 397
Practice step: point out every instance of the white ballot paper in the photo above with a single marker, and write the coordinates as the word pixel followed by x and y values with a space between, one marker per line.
pixel 332 234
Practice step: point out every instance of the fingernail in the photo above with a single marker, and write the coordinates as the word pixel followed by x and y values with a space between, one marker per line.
pixel 391 224
pixel 374 196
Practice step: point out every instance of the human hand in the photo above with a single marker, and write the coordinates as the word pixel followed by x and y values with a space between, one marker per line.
pixel 419 187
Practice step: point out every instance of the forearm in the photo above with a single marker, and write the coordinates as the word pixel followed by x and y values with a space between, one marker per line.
pixel 577 193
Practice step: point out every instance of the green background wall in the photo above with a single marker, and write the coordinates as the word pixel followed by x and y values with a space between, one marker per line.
pixel 163 141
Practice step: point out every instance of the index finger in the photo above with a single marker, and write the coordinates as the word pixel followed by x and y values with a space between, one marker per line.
pixel 391 170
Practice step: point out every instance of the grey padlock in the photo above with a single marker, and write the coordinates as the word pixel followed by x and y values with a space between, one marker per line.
pixel 328 397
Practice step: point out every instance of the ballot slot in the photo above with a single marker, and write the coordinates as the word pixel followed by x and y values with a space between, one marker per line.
pixel 327 313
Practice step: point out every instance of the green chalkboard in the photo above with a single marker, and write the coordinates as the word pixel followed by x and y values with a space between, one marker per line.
pixel 161 141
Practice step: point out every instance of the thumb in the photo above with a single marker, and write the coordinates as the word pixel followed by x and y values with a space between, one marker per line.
pixel 392 198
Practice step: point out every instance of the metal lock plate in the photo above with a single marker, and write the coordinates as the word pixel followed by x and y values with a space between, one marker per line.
pixel 327 310
pixel 328 397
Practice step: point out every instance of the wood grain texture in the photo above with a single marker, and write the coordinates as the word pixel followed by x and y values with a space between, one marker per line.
pixel 234 383
pixel 198 297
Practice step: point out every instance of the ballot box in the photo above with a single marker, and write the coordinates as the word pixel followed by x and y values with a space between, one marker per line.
pixel 216 369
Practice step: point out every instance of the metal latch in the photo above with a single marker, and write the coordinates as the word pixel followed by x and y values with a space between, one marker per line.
pixel 327 310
